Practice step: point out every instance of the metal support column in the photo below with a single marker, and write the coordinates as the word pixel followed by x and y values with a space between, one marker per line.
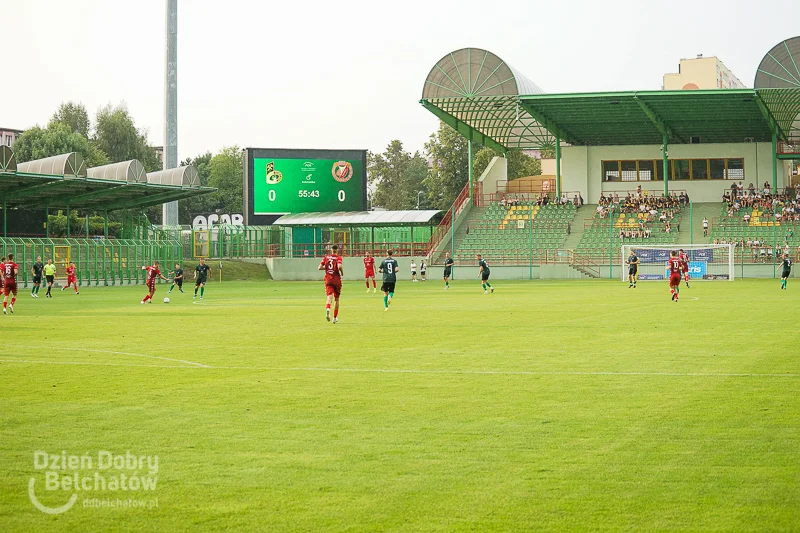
pixel 105 225
pixel 47 222
pixel 558 167
pixel 5 219
pixel 774 163
pixel 611 242
pixel 87 225
pixel 68 225
pixel 469 172
pixel 665 154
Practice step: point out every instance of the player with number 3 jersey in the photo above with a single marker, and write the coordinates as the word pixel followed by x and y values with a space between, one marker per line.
pixel 332 265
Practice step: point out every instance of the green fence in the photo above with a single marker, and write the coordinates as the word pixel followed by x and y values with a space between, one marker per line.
pixel 98 261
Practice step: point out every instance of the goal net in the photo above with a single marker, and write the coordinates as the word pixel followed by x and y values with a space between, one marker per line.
pixel 706 261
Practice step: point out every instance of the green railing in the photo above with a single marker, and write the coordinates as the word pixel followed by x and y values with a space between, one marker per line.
pixel 98 261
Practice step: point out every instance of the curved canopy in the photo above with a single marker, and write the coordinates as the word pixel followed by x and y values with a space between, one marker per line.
pixel 71 165
pixel 779 68
pixel 8 161
pixel 184 176
pixel 476 92
pixel 363 218
pixel 128 171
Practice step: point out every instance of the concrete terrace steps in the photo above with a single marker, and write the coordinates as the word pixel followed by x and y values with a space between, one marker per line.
pixel 700 210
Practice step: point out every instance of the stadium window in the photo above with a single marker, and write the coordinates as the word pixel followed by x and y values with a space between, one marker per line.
pixel 659 166
pixel 646 170
pixel 699 169
pixel 611 171
pixel 717 169
pixel 734 169
pixel 679 169
pixel 628 170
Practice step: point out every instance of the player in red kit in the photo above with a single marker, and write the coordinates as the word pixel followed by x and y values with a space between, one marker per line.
pixel 684 257
pixel 72 279
pixel 369 271
pixel 675 268
pixel 332 265
pixel 9 274
pixel 152 273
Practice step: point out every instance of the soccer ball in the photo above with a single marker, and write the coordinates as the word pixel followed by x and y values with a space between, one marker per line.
pixel 166 300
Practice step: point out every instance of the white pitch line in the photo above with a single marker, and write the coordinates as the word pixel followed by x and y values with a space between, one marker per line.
pixel 111 352
pixel 419 371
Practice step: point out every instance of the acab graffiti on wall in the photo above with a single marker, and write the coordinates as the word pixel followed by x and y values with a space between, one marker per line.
pixel 207 221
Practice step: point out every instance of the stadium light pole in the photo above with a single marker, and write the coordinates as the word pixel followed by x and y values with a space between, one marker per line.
pixel 170 209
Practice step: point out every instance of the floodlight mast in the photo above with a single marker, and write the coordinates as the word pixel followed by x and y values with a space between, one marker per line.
pixel 170 209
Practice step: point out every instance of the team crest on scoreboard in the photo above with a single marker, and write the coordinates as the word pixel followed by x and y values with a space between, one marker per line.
pixel 342 171
pixel 273 176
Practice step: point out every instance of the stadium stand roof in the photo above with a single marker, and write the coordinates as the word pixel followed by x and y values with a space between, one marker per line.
pixel 63 181
pixel 184 176
pixel 58 165
pixel 359 218
pixel 489 102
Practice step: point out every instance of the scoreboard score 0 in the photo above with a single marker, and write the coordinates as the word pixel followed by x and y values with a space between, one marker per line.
pixel 303 181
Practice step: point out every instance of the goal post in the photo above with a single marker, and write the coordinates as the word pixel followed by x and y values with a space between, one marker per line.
pixel 706 261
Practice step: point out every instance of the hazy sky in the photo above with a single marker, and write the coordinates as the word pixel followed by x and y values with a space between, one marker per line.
pixel 347 74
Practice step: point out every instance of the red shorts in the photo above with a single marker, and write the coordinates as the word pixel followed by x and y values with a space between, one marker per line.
pixel 369 274
pixel 674 279
pixel 151 285
pixel 333 288
pixel 72 279
pixel 10 288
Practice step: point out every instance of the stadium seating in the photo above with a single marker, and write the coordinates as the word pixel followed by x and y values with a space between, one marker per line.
pixel 594 242
pixel 761 227
pixel 505 232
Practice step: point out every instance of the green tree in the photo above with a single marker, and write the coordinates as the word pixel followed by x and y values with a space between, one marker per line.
pixel 56 139
pixel 74 116
pixel 226 174
pixel 398 176
pixel 190 207
pixel 449 171
pixel 118 137
pixel 519 164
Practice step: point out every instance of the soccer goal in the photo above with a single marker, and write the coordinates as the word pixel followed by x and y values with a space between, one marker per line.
pixel 706 261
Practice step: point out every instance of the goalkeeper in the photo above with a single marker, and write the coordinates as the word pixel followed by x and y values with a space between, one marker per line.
pixel 633 269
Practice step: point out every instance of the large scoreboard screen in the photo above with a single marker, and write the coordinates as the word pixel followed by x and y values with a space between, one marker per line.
pixel 281 181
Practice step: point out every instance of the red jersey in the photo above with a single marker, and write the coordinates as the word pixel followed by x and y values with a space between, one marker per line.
pixel 9 271
pixel 369 265
pixel 332 264
pixel 152 273
pixel 71 271
pixel 684 257
pixel 675 266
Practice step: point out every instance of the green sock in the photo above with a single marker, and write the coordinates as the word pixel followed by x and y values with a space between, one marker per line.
pixel 679 289
pixel 489 284
pixel 483 285
pixel 385 300
pixel 171 287
pixel 446 283
pixel 391 295
pixel 202 290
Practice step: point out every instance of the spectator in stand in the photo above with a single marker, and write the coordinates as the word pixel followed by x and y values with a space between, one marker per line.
pixel 705 227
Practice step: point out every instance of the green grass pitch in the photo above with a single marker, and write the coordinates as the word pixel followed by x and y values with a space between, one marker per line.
pixel 560 406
